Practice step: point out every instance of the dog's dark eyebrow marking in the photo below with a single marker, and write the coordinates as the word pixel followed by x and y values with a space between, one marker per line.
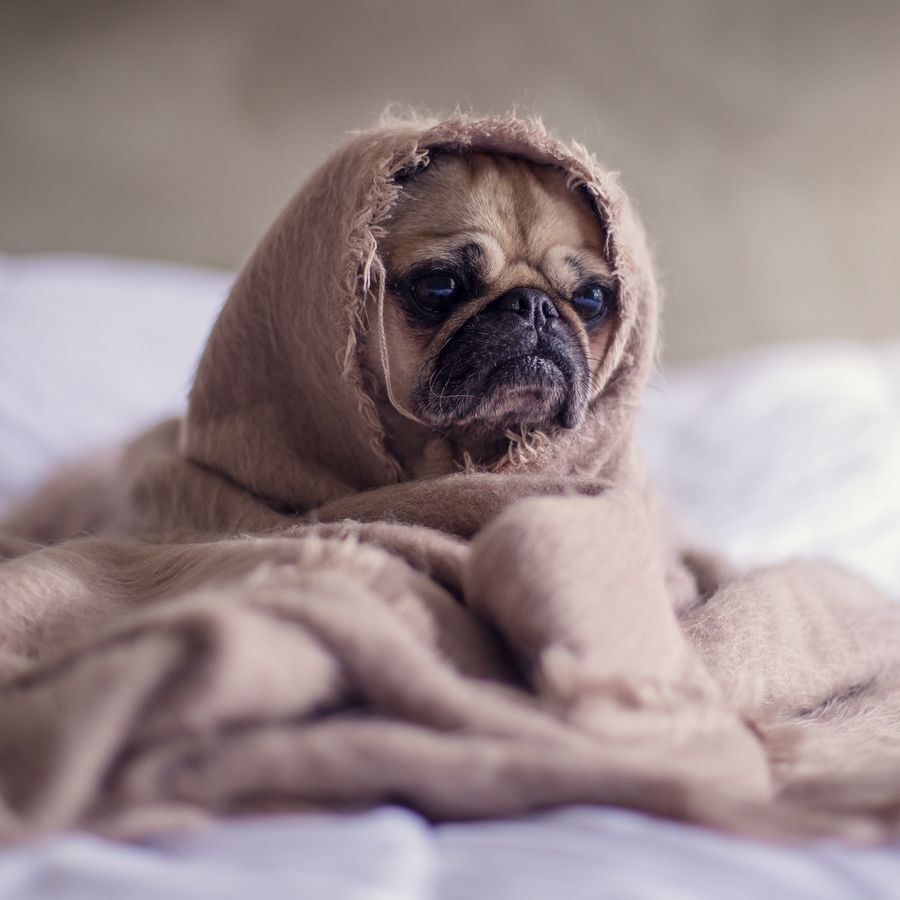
pixel 469 258
pixel 466 260
pixel 584 270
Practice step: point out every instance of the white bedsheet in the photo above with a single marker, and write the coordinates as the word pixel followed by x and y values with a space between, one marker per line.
pixel 781 451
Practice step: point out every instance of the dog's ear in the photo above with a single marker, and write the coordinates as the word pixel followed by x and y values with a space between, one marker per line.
pixel 417 165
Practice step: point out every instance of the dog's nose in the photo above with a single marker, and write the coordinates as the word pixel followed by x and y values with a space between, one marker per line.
pixel 533 305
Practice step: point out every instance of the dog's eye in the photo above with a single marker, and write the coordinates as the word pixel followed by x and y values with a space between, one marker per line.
pixel 436 291
pixel 591 303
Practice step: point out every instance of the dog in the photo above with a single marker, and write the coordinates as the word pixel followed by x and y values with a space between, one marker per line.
pixel 499 304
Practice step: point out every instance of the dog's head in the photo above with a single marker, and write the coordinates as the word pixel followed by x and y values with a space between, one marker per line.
pixel 499 301
pixel 465 293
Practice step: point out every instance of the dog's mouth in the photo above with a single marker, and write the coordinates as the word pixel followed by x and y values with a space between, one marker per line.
pixel 525 390
pixel 530 374
pixel 528 366
pixel 541 385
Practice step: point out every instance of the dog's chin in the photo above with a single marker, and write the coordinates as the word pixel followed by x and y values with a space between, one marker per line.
pixel 531 390
pixel 526 390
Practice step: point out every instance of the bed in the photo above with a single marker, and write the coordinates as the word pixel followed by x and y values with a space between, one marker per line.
pixel 88 354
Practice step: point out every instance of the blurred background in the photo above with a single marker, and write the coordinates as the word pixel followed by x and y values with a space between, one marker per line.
pixel 760 140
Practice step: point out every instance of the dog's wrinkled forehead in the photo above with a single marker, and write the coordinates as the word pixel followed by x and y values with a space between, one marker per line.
pixel 515 223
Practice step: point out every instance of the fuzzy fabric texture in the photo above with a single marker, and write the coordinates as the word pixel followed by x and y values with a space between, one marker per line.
pixel 254 608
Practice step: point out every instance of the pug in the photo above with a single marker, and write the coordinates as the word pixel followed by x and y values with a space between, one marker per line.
pixel 498 306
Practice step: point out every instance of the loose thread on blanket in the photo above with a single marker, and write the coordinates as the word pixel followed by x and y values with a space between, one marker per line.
pixel 385 354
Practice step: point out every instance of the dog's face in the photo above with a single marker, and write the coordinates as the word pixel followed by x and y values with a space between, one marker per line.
pixel 500 303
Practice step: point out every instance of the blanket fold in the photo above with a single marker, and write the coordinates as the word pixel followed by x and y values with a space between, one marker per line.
pixel 255 607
